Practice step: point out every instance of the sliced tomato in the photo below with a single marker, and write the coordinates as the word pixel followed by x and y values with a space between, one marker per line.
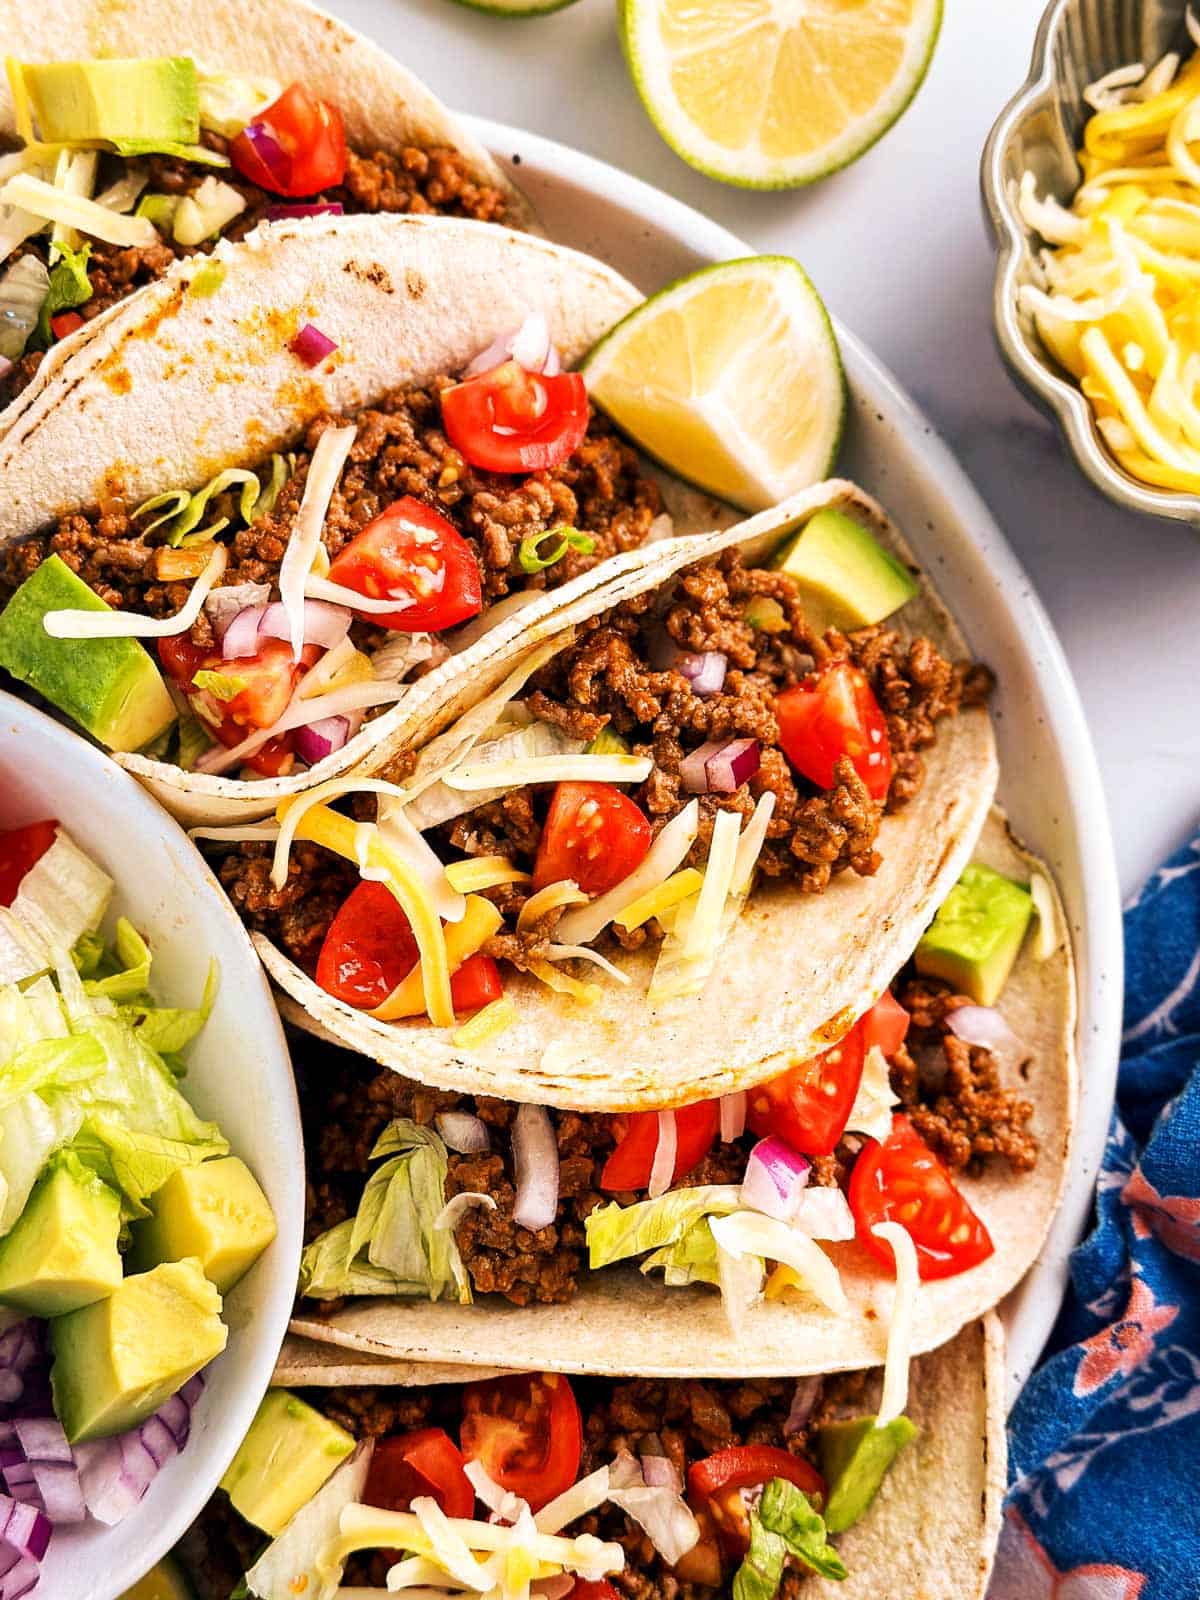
pixel 307 149
pixel 594 834
pixel 424 1462
pixel 412 554
pixel 834 714
pixel 543 419
pixel 270 677
pixel 21 849
pixel 808 1105
pixel 181 659
pixel 715 1484
pixel 885 1025
pixel 370 948
pixel 631 1163
pixel 65 323
pixel 901 1180
pixel 593 1589
pixel 527 1433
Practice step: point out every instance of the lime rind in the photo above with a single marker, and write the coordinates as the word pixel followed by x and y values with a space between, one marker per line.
pixel 692 145
pixel 538 8
pixel 823 340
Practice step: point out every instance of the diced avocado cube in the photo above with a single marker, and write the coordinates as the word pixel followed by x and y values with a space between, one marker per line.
pixel 110 687
pixel 62 1252
pixel 74 102
pixel 977 934
pixel 850 579
pixel 287 1455
pixel 855 1456
pixel 214 1212
pixel 115 1362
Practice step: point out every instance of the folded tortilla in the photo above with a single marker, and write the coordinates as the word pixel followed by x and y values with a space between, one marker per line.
pixel 384 106
pixel 621 1320
pixel 930 1533
pixel 175 386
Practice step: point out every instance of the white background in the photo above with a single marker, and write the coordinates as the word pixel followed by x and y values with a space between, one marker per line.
pixel 898 247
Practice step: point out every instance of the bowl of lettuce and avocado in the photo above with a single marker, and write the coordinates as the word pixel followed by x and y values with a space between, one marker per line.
pixel 149 1214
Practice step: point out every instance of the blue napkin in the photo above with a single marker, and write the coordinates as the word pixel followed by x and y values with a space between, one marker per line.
pixel 1104 1442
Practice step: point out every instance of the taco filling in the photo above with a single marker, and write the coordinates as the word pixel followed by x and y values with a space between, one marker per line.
pixel 420 1191
pixel 286 601
pixel 124 166
pixel 591 1488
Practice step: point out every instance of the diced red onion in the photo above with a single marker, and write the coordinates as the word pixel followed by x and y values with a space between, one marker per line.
pixel 319 739
pixel 804 1399
pixel 666 1146
pixel 529 345
pixel 660 1472
pixel 535 1156
pixel 775 1177
pixel 733 1116
pixel 324 624
pixel 226 601
pixel 241 635
pixel 462 1132
pixel 311 345
pixel 720 766
pixel 20 1579
pixel 24 1528
pixel 42 1439
pixel 704 669
pixel 315 208
pixel 983 1026
pixel 271 153
pixel 61 1496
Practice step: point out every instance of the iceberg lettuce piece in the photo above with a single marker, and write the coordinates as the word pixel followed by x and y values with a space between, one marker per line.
pixel 615 1233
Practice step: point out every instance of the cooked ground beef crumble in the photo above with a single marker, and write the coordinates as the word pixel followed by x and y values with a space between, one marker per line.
pixel 408 180
pixel 685 1419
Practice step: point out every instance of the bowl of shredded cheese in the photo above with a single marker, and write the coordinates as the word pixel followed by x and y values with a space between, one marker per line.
pixel 1092 180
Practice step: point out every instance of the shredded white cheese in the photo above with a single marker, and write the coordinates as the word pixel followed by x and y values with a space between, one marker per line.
pixel 69 624
pixel 324 470
pixel 900 1333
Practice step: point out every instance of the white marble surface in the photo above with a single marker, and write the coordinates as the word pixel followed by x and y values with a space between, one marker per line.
pixel 898 247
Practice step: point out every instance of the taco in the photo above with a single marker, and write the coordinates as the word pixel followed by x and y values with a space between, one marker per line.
pixel 300 545
pixel 185 124
pixel 652 1489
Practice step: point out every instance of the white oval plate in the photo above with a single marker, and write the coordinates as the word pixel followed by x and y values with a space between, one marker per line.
pixel 1050 783
pixel 238 1074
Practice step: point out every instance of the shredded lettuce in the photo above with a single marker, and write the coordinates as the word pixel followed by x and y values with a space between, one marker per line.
pixel 181 511
pixel 223 686
pixel 124 972
pixel 392 1245
pixel 23 289
pixel 529 555
pixel 69 287
pixel 615 1233
pixel 63 896
pixel 691 1259
pixel 784 1523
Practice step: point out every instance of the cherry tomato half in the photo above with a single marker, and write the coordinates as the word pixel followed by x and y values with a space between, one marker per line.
pixel 527 1433
pixel 370 948
pixel 21 849
pixel 309 145
pixel 65 323
pixel 631 1163
pixel 594 834
pixel 411 553
pixel 808 1105
pixel 901 1180
pixel 593 1589
pixel 715 1484
pixel 885 1025
pixel 269 677
pixel 831 715
pixel 544 419
pixel 424 1462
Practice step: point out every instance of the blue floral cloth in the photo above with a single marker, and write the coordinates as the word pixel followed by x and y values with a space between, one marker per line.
pixel 1104 1442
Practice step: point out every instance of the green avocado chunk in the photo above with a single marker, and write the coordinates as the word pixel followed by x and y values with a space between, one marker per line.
pixel 110 687
pixel 215 1212
pixel 62 1252
pixel 977 934
pixel 850 580
pixel 116 1361
pixel 75 102
pixel 163 1582
pixel 289 1452
pixel 854 1458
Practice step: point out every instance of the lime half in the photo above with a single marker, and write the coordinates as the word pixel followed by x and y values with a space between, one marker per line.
pixel 516 8
pixel 731 378
pixel 774 93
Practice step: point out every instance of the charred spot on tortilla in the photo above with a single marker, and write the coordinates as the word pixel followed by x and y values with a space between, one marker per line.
pixel 371 272
pixel 415 283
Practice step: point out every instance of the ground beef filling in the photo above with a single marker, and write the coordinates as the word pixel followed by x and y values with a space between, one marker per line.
pixel 409 180
pixel 685 1420
pixel 400 450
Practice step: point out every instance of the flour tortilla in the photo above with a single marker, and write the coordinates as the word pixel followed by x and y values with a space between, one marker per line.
pixel 931 1532
pixel 797 968
pixel 624 1321
pixel 383 105
pixel 176 386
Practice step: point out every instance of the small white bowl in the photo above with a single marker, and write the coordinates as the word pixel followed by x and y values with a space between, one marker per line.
pixel 238 1074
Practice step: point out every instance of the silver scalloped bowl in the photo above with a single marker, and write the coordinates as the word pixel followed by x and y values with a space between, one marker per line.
pixel 1039 131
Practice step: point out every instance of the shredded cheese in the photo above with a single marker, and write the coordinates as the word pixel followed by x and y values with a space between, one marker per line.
pixel 41 199
pixel 583 952
pixel 752 1233
pixel 480 920
pixel 579 768
pixel 291 812
pixel 324 470
pixel 1045 937
pixel 483 872
pixel 128 624
pixel 900 1332
pixel 563 983
pixel 493 1019
pixel 566 892
pixel 664 856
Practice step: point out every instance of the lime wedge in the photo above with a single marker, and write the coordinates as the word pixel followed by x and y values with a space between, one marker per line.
pixel 731 378
pixel 768 94
pixel 516 8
